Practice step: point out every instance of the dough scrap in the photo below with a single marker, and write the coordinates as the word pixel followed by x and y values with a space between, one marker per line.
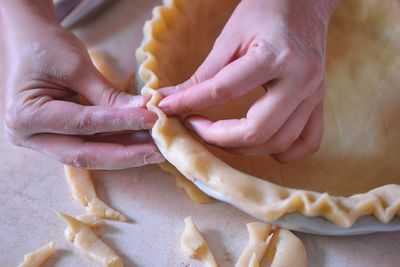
pixel 83 191
pixel 285 249
pixel 191 190
pixel 257 246
pixel 38 257
pixel 194 245
pixel 361 145
pixel 86 242
pixel 91 220
pixel 279 248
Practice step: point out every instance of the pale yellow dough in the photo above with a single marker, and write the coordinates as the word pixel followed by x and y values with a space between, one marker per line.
pixel 191 190
pixel 356 171
pixel 254 252
pixel 285 249
pixel 84 192
pixel 91 220
pixel 194 245
pixel 277 248
pixel 86 242
pixel 38 257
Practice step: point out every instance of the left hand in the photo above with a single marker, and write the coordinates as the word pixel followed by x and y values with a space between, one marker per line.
pixel 277 44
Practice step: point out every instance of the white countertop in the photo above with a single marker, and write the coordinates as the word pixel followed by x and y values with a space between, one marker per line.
pixel 33 186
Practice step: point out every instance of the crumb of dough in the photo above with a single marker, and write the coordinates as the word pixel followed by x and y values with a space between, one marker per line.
pixel 38 257
pixel 84 192
pixel 87 243
pixel 194 245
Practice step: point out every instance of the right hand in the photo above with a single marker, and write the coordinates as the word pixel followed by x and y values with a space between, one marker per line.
pixel 42 67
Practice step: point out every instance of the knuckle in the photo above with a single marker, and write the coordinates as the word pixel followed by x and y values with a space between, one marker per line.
pixel 110 96
pixel 196 78
pixel 79 159
pixel 16 123
pixel 219 92
pixel 262 51
pixel 253 136
pixel 85 124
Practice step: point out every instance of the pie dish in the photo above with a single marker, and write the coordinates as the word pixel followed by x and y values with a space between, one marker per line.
pixel 354 174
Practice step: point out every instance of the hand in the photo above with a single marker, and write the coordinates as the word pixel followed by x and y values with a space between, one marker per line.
pixel 276 44
pixel 43 66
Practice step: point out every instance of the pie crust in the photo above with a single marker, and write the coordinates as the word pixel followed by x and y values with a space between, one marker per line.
pixel 356 171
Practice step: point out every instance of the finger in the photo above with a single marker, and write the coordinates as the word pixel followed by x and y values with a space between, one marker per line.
pixel 78 152
pixel 122 138
pixel 94 87
pixel 236 79
pixel 63 117
pixel 262 121
pixel 221 54
pixel 288 133
pixel 309 140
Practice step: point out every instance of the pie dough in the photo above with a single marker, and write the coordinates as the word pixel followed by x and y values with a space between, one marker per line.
pixel 83 191
pixel 91 220
pixel 254 252
pixel 361 144
pixel 88 244
pixel 191 190
pixel 285 249
pixel 278 248
pixel 39 256
pixel 194 245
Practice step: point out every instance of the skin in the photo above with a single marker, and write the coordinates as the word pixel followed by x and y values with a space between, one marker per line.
pixel 42 67
pixel 276 44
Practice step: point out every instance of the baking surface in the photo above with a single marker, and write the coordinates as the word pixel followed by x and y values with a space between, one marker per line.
pixel 33 186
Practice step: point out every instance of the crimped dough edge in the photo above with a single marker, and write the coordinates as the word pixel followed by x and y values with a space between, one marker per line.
pixel 272 201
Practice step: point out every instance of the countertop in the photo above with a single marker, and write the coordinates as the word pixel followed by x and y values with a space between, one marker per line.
pixel 32 187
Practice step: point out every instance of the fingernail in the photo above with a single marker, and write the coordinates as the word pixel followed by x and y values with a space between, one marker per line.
pixel 149 124
pixel 192 124
pixel 154 157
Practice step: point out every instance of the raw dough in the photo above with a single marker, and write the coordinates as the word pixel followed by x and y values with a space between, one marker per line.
pixel 255 250
pixel 38 257
pixel 88 244
pixel 285 249
pixel 194 245
pixel 91 220
pixel 361 144
pixel 191 190
pixel 278 248
pixel 83 191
